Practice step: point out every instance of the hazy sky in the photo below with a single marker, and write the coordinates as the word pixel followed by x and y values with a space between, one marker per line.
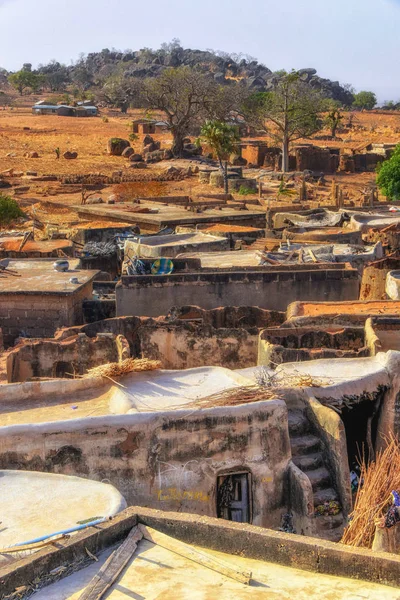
pixel 353 41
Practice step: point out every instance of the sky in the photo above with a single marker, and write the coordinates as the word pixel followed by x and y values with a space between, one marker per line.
pixel 350 41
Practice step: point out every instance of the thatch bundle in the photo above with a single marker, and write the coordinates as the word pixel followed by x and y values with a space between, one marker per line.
pixel 129 365
pixel 379 479
pixel 234 397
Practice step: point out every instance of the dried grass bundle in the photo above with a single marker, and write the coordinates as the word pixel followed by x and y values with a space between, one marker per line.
pixel 234 397
pixel 129 365
pixel 380 478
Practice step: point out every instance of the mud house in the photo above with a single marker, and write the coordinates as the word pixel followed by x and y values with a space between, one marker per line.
pixel 142 441
pixel 35 299
pixel 290 449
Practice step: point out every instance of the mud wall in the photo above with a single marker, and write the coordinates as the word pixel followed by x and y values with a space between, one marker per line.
pixel 73 356
pixel 169 461
pixel 274 290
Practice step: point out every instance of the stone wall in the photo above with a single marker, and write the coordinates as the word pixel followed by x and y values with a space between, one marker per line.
pixel 169 461
pixel 273 290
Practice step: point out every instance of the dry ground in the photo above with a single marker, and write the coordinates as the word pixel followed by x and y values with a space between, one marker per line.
pixel 22 132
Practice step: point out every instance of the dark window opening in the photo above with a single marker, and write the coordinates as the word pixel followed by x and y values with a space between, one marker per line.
pixel 233 497
pixel 63 370
pixel 361 424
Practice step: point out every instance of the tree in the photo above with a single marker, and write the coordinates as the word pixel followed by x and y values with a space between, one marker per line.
pixel 22 80
pixel 222 138
pixel 365 100
pixel 56 75
pixel 288 113
pixel 334 116
pixel 181 94
pixel 120 92
pixel 388 179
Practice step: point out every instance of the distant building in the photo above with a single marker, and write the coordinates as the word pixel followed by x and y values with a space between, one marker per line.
pixel 63 110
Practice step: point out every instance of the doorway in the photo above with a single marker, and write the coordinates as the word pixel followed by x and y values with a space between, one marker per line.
pixel 233 497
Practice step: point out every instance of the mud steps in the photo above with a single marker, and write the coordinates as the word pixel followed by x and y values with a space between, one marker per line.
pixel 307 455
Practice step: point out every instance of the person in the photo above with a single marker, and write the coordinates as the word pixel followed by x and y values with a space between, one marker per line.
pixel 57 151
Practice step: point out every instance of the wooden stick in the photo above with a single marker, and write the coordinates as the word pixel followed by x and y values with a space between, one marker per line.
pixel 208 561
pixel 113 566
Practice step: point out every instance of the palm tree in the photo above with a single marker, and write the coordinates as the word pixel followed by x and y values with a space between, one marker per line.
pixel 222 138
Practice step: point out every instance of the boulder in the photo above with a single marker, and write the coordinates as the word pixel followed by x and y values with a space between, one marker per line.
pixel 136 158
pixel 95 201
pixel 237 160
pixel 138 165
pixel 153 157
pixel 172 171
pixel 70 155
pixel 116 146
pixel 32 155
pixel 147 140
pixel 152 147
pixel 128 152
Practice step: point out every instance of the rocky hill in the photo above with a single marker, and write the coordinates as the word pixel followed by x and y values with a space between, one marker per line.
pixel 94 69
pixel 149 63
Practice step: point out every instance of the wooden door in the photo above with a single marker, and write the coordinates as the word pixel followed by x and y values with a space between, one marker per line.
pixel 233 497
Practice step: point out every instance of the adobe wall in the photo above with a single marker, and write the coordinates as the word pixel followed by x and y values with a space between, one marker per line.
pixel 373 283
pixel 188 346
pixel 236 539
pixel 185 338
pixel 299 344
pixel 44 358
pixel 314 159
pixel 39 315
pixel 273 290
pixel 168 461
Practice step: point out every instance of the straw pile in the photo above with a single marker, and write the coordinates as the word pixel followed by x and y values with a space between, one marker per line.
pixel 380 478
pixel 129 365
pixel 234 397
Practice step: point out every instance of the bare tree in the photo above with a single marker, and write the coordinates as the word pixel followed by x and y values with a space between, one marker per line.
pixel 288 113
pixel 181 94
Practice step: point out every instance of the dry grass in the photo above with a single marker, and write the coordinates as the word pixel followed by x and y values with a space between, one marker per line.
pixel 130 365
pixel 380 478
pixel 234 397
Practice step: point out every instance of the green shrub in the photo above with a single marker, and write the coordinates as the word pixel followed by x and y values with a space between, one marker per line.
pixel 133 137
pixel 104 119
pixel 388 179
pixel 246 191
pixel 9 210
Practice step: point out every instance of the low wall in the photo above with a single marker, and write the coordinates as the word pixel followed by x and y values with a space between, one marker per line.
pixel 330 428
pixel 248 541
pixel 169 460
pixel 274 290
pixel 299 344
pixel 72 356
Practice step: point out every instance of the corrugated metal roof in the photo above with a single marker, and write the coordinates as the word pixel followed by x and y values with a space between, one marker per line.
pixel 41 106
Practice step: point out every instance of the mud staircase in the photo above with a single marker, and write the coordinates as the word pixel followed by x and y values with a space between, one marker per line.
pixel 308 456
